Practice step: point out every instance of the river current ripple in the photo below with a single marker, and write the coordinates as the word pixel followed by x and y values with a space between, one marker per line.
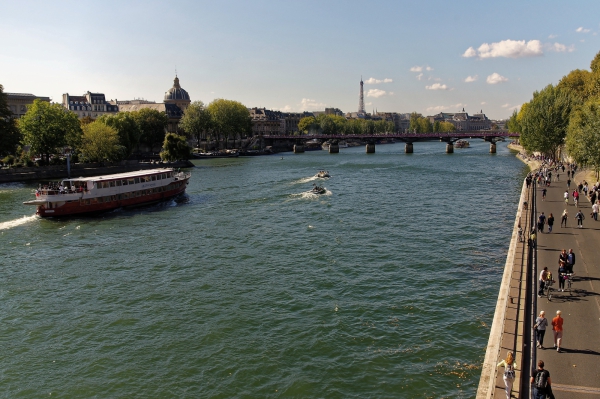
pixel 251 287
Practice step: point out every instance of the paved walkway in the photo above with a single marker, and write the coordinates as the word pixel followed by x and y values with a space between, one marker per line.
pixel 575 372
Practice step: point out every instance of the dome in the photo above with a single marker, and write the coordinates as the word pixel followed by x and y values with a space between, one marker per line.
pixel 176 92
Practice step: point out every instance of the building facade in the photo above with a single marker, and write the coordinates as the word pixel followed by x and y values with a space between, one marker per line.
pixel 268 122
pixel 19 102
pixel 463 121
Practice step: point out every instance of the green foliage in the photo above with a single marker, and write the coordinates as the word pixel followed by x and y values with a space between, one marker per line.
pixel 47 128
pixel 308 124
pixel 513 124
pixel 10 136
pixel 152 125
pixel 175 147
pixel 9 160
pixel 229 118
pixel 196 121
pixel 420 124
pixel 545 120
pixel 101 143
pixel 127 128
pixel 583 134
pixel 576 83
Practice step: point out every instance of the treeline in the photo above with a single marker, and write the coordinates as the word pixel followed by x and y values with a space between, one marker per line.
pixel 339 125
pixel 566 115
pixel 49 128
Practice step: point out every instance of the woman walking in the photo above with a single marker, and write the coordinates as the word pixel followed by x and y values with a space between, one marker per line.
pixel 563 218
pixel 509 372
pixel 540 329
pixel 550 223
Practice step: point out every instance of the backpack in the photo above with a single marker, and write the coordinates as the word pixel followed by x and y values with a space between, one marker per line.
pixel 541 379
pixel 509 373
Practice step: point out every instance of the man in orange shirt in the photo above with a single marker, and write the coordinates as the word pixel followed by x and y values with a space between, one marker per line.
pixel 557 328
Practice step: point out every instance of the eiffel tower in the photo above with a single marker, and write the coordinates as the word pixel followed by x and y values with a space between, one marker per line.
pixel 361 100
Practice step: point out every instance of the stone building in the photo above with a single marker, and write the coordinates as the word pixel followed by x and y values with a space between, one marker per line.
pixel 19 102
pixel 90 104
pixel 464 121
pixel 176 101
pixel 268 122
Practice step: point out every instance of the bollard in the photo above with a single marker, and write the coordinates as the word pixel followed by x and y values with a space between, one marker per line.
pixel 298 148
pixel 370 148
pixel 408 148
pixel 449 148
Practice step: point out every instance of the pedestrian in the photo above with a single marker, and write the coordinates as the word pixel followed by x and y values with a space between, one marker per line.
pixel 542 384
pixel 568 183
pixel 562 271
pixel 579 216
pixel 595 208
pixel 563 218
pixel 557 176
pixel 550 223
pixel 557 329
pixel 570 261
pixel 566 196
pixel 540 329
pixel 544 194
pixel 532 238
pixel 509 372
pixel 542 281
pixel 541 222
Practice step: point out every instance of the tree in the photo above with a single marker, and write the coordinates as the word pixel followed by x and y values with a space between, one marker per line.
pixel 445 127
pixel 513 124
pixel 592 85
pixel 10 137
pixel 126 127
pixel 576 82
pixel 101 143
pixel 152 125
pixel 307 124
pixel 545 120
pixel 230 118
pixel 47 128
pixel 583 134
pixel 175 147
pixel 196 121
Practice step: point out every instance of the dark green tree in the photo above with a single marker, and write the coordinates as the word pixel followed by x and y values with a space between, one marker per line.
pixel 152 125
pixel 196 121
pixel 10 136
pixel 308 124
pixel 229 119
pixel 175 147
pixel 583 134
pixel 48 128
pixel 101 143
pixel 545 120
pixel 127 128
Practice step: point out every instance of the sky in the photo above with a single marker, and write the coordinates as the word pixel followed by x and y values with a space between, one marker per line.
pixel 414 56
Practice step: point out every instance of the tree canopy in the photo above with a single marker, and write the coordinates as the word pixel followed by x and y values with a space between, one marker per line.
pixel 100 143
pixel 175 147
pixel 10 136
pixel 420 124
pixel 152 125
pixel 583 134
pixel 47 128
pixel 127 128
pixel 196 121
pixel 229 118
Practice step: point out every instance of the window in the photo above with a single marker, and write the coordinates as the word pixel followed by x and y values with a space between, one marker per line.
pixel 118 183
pixel 130 181
pixel 137 180
pixel 124 182
pixel 112 183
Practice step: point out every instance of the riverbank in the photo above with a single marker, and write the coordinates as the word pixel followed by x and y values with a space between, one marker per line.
pixel 91 169
pixel 533 164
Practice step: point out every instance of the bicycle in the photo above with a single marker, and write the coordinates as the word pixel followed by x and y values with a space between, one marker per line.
pixel 568 279
pixel 548 289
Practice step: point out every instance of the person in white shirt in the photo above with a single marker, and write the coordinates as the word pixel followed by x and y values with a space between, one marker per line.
pixel 595 208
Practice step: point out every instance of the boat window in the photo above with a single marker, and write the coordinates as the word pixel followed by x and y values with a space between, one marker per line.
pixel 118 182
pixel 137 180
pixel 112 183
pixel 153 177
pixel 130 181
pixel 124 182
pixel 164 175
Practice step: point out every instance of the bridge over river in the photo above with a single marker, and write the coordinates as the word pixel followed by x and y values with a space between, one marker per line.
pixel 408 138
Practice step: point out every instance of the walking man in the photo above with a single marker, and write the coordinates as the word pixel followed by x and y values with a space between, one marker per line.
pixel 579 216
pixel 542 385
pixel 595 211
pixel 563 218
pixel 557 329
pixel 541 222
pixel 570 260
pixel 544 194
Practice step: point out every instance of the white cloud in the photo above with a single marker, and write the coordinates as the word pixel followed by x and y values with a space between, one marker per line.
pixel 581 29
pixel 505 105
pixel 391 93
pixel 376 93
pixel 507 49
pixel 560 48
pixel 311 105
pixel 429 68
pixel 419 76
pixel 496 78
pixel 483 103
pixel 437 86
pixel 441 108
pixel 469 53
pixel 552 36
pixel 470 79
pixel 369 103
pixel 416 69
pixel 373 81
pixel 287 108
pixel 509 107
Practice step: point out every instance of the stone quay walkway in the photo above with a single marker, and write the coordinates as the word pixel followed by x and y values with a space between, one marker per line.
pixel 575 372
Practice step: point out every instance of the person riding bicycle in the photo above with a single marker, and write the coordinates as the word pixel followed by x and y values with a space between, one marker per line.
pixel 566 195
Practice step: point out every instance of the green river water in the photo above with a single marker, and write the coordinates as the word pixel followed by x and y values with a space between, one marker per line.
pixel 249 287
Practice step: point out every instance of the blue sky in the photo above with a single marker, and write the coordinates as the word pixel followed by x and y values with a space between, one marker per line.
pixel 423 56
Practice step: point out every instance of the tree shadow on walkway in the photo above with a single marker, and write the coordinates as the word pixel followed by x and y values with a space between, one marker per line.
pixel 582 351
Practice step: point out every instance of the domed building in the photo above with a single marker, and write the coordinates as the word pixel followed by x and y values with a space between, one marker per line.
pixel 175 103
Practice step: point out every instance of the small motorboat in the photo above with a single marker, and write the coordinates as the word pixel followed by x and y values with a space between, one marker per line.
pixel 323 174
pixel 318 190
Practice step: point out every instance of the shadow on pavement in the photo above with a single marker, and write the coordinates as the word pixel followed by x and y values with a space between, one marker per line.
pixel 583 351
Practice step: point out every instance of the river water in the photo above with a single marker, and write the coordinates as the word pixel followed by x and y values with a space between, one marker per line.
pixel 248 286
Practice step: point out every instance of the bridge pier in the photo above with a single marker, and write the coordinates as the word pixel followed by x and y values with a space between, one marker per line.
pixel 408 148
pixel 371 148
pixel 492 148
pixel 450 148
pixel 334 148
pixel 298 148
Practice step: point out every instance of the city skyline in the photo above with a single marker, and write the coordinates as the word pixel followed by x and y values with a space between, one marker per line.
pixel 424 57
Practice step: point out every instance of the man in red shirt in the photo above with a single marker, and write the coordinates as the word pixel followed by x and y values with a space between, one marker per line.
pixel 557 328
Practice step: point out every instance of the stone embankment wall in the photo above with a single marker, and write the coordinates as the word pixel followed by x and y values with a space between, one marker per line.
pixel 89 169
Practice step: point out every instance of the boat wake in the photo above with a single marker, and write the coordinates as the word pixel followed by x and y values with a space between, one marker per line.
pixel 306 179
pixel 17 222
pixel 311 195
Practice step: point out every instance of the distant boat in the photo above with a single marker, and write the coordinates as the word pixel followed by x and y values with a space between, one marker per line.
pixel 462 144
pixel 322 174
pixel 318 190
pixel 215 154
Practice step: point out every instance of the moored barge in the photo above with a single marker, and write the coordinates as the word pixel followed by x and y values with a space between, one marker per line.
pixel 104 193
